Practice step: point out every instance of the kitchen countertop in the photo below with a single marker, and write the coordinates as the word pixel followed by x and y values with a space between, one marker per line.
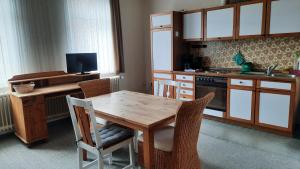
pixel 239 75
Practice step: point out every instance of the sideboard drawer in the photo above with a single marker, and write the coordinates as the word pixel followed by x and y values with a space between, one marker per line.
pixel 187 92
pixel 275 85
pixel 185 77
pixel 184 97
pixel 162 76
pixel 187 85
pixel 241 82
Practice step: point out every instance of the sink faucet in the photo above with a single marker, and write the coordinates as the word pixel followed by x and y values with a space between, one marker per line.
pixel 270 69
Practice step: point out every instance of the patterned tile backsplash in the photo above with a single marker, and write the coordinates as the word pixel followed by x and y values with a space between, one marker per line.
pixel 262 52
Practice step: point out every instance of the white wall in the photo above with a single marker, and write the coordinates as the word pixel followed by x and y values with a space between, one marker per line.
pixel 133 21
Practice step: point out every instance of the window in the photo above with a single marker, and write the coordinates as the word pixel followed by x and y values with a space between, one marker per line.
pixel 89 28
pixel 35 35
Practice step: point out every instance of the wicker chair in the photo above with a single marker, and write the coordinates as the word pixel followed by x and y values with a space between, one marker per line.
pixel 176 147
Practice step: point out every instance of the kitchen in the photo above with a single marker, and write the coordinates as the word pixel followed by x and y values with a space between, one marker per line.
pixel 242 52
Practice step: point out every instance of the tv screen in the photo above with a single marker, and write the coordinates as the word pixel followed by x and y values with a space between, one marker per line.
pixel 81 62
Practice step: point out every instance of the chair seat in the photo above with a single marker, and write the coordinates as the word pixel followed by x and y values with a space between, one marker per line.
pixel 101 121
pixel 163 138
pixel 113 134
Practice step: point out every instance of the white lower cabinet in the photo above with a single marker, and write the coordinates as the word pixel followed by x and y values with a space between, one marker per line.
pixel 240 106
pixel 215 113
pixel 274 109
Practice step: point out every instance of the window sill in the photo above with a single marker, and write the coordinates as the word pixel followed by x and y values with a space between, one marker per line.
pixel 4 91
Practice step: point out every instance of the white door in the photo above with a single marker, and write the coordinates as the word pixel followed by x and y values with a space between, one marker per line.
pixel 241 104
pixel 274 109
pixel 285 16
pixel 251 17
pixel 220 23
pixel 161 21
pixel 192 25
pixel 162 50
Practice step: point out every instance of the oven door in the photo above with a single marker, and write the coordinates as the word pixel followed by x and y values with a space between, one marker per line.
pixel 219 102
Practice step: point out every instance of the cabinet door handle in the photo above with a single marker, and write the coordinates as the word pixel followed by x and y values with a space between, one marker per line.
pixel 241 82
pixel 183 77
pixel 183 84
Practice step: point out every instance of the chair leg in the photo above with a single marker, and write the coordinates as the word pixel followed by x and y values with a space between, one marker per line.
pixel 136 135
pixel 110 160
pixel 131 154
pixel 100 161
pixel 80 157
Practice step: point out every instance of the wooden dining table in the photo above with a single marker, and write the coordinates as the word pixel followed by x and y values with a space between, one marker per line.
pixel 138 111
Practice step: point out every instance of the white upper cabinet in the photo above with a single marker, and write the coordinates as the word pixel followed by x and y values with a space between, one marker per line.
pixel 220 23
pixel 251 19
pixel 162 50
pixel 161 21
pixel 192 26
pixel 285 16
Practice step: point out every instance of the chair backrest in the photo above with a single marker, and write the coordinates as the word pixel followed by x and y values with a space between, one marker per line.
pixel 96 87
pixel 84 120
pixel 163 88
pixel 188 122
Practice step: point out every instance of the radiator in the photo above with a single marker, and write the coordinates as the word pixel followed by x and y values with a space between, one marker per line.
pixel 6 124
pixel 115 83
pixel 57 108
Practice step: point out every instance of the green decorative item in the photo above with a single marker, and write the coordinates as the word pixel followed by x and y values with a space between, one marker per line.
pixel 246 67
pixel 240 60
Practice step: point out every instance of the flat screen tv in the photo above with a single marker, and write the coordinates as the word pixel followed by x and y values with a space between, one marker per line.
pixel 81 62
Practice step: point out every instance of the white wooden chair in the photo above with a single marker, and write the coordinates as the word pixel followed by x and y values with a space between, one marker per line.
pixel 161 88
pixel 100 142
pixel 164 86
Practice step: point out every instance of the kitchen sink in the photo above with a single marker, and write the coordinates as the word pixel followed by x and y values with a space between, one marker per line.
pixel 254 73
pixel 283 75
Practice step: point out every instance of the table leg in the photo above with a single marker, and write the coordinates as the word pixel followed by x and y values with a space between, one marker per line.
pixel 84 155
pixel 148 148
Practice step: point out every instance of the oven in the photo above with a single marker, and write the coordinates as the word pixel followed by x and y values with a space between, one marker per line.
pixel 218 85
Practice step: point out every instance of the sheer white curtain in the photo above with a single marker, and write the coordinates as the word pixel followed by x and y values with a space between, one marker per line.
pixel 35 35
pixel 89 26
pixel 24 41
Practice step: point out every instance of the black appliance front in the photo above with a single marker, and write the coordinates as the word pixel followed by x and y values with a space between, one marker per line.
pixel 218 85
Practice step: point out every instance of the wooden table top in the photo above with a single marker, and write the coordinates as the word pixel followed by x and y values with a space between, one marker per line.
pixel 49 90
pixel 136 108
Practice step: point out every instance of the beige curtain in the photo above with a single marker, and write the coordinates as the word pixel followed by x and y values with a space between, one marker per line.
pixel 117 35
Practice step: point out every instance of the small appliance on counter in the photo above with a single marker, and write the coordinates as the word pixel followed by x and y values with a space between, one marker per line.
pixel 192 63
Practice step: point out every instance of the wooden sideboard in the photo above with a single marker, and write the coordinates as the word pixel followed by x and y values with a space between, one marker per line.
pixel 29 110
